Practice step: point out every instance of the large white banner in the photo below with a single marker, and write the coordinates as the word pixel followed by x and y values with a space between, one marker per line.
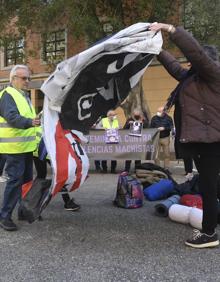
pixel 85 87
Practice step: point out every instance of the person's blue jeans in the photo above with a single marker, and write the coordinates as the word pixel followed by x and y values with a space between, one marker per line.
pixel 19 168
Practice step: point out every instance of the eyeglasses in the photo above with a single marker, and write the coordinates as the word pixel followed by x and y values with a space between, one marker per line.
pixel 23 77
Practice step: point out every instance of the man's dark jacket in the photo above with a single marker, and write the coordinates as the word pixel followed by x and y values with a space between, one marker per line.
pixel 163 121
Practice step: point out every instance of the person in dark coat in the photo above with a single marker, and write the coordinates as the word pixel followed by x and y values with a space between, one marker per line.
pixel 197 120
pixel 164 123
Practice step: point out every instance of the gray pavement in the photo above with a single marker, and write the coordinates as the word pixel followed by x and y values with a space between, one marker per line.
pixel 103 243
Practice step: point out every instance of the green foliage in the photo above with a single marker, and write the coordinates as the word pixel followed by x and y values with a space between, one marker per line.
pixel 80 17
pixel 82 20
pixel 87 17
pixel 155 10
pixel 202 18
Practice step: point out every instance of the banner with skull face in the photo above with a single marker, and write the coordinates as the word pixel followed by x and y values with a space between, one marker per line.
pixel 85 87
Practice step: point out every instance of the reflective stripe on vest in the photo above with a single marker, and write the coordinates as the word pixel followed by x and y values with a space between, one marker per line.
pixel 15 140
pixel 5 124
pixel 106 124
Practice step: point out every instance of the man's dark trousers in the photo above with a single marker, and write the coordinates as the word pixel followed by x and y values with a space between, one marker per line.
pixel 2 163
pixel 19 168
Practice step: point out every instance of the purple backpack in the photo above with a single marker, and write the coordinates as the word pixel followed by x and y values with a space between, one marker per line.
pixel 129 193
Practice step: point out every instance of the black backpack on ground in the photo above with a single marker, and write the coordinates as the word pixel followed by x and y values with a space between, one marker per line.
pixel 30 206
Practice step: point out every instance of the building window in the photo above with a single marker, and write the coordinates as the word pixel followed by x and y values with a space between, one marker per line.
pixel 14 52
pixel 54 46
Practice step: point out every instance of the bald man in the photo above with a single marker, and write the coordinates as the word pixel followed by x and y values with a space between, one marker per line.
pixel 164 124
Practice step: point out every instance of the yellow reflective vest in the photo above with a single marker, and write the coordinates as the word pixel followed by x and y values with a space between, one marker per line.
pixel 15 140
pixel 107 125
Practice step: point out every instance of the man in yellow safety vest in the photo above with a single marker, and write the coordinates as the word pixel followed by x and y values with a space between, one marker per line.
pixel 110 122
pixel 17 140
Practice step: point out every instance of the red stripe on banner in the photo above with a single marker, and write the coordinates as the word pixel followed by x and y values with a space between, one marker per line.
pixel 63 149
pixel 62 154
pixel 26 188
pixel 76 184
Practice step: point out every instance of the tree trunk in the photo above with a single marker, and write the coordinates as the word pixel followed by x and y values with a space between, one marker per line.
pixel 136 100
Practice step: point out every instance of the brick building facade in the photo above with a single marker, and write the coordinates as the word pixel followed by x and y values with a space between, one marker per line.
pixel 36 52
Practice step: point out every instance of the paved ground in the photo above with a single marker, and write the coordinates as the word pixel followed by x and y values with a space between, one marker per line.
pixel 103 243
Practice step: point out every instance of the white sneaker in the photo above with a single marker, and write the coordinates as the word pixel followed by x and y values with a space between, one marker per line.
pixel 189 176
pixel 3 178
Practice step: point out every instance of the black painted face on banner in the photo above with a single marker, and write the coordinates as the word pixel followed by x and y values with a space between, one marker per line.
pixel 84 106
pixel 100 87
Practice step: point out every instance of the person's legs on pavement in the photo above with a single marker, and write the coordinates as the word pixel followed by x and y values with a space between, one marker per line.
pixel 2 163
pixel 27 180
pixel 113 166
pixel 41 167
pixel 3 178
pixel 208 167
pixel 15 168
pixel 127 165
pixel 157 160
pixel 69 203
pixel 97 166
pixel 188 166
pixel 137 163
pixel 28 170
pixel 104 166
pixel 165 142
